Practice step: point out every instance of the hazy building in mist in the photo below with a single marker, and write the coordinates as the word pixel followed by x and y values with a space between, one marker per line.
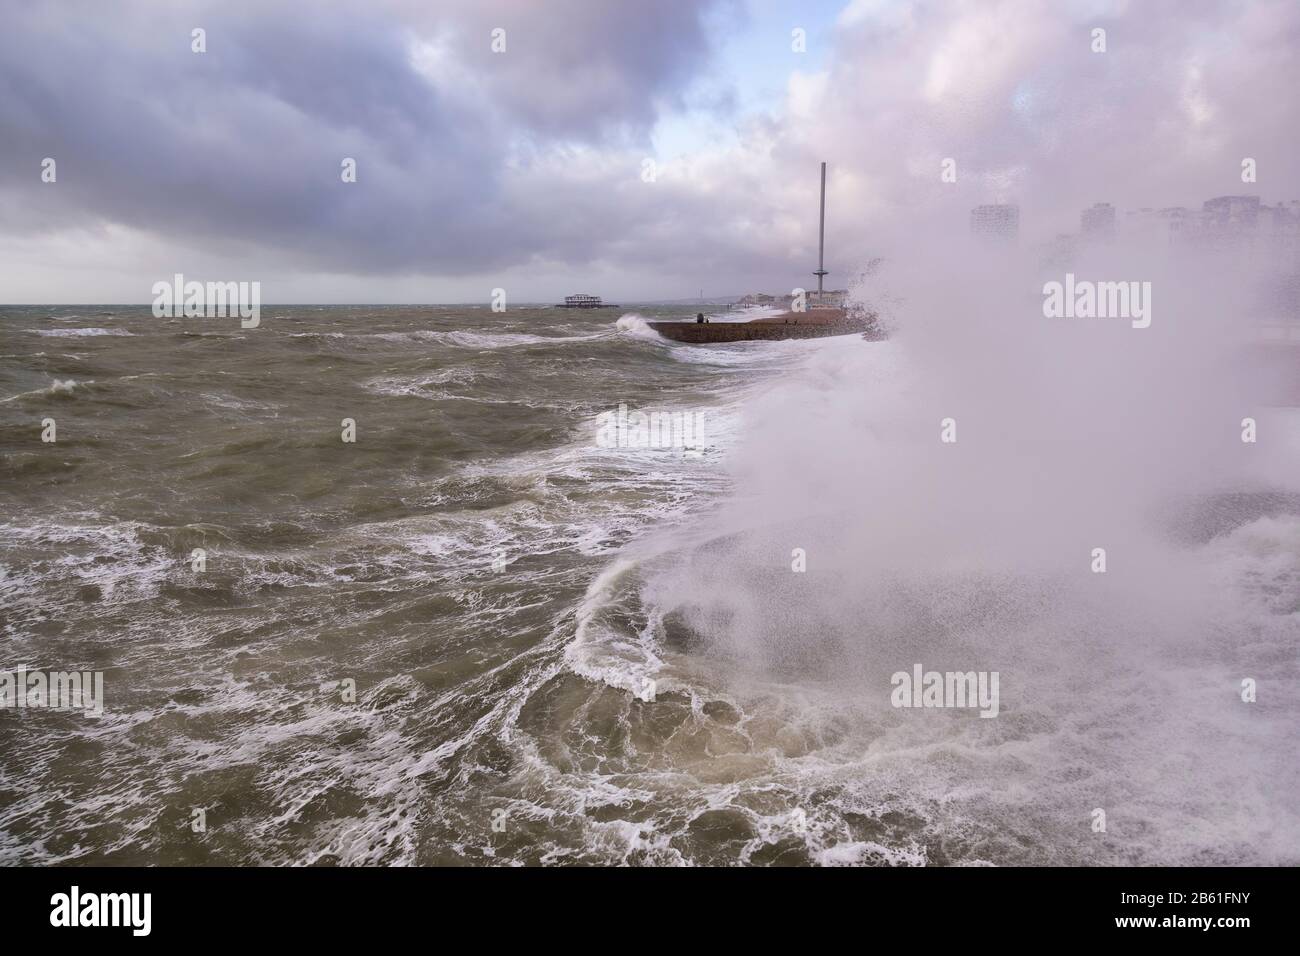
pixel 1283 223
pixel 1235 220
pixel 1236 213
pixel 1228 221
pixel 1098 223
pixel 1172 224
pixel 1060 251
pixel 1000 221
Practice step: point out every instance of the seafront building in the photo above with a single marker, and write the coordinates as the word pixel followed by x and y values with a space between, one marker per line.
pixel 1160 226
pixel 1220 222
pixel 829 299
pixel 999 221
pixel 1098 223
pixel 1267 235
pixel 1235 213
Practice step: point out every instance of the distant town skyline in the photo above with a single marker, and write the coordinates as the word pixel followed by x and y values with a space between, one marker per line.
pixel 1242 215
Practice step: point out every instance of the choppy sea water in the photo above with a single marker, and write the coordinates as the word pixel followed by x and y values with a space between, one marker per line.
pixel 501 588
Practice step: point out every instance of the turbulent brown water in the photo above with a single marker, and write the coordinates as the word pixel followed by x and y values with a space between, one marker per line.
pixel 500 588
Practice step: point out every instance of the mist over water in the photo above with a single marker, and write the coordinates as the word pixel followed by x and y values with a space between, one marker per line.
pixel 1119 690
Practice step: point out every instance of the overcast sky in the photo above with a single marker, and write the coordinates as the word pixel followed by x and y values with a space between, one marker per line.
pixel 524 169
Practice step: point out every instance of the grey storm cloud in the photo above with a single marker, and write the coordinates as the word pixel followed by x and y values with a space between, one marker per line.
pixel 242 145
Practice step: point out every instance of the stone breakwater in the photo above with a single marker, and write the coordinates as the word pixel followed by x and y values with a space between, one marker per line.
pixel 791 325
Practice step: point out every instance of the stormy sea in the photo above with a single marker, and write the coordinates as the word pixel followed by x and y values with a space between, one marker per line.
pixel 471 632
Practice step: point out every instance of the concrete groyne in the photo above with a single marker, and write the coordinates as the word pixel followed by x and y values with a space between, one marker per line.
pixel 793 325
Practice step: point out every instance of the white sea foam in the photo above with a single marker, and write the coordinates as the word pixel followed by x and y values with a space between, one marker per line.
pixel 419 385
pixel 602 654
pixel 747 314
pixel 482 340
pixel 638 327
pixel 64 386
pixel 80 333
